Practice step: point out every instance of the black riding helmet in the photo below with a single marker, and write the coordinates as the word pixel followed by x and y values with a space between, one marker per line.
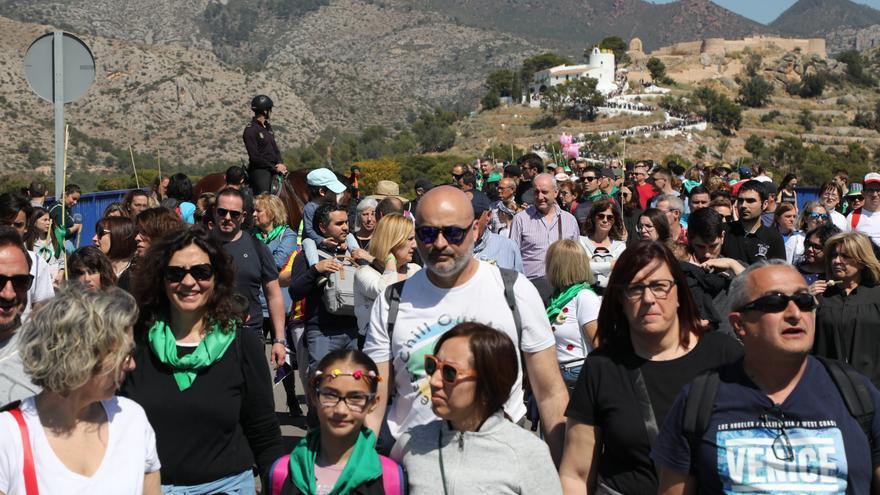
pixel 261 103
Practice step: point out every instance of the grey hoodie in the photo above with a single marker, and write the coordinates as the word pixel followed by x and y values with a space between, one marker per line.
pixel 500 458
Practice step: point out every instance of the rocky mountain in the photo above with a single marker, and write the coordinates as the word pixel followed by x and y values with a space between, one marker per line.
pixel 820 17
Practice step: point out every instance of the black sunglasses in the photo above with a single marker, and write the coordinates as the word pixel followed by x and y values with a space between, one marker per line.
pixel 457 176
pixel 234 214
pixel 175 274
pixel 453 235
pixel 20 283
pixel 774 303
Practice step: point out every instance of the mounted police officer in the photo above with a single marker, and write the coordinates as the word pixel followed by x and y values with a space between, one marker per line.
pixel 264 159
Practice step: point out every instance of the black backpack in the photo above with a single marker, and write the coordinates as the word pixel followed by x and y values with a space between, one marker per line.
pixel 701 401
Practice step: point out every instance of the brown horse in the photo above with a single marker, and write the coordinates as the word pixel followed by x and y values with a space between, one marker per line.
pixel 294 191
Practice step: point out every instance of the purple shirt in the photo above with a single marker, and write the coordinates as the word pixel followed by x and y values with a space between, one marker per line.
pixel 533 234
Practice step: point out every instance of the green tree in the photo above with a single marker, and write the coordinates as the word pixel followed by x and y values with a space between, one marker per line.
pixel 755 92
pixel 718 109
pixel 555 99
pixel 855 68
pixel 805 119
pixel 434 131
pixel 723 145
pixel 616 45
pixel 500 81
pixel 491 100
pixel 754 64
pixel 657 69
pixel 755 145
pixel 584 98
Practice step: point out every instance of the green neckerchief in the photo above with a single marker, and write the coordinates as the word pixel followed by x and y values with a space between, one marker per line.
pixel 363 465
pixel 271 236
pixel 186 368
pixel 560 299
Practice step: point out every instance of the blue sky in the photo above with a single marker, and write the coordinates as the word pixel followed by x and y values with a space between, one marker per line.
pixel 764 10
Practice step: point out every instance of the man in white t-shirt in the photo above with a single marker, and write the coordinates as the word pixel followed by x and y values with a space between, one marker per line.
pixel 454 288
pixel 867 218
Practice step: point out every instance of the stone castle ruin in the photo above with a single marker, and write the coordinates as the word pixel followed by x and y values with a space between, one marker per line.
pixel 720 46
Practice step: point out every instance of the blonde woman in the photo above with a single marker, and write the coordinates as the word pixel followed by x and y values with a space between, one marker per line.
pixel 392 246
pixel 849 309
pixel 573 308
pixel 82 437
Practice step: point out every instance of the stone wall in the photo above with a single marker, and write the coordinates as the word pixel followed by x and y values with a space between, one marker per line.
pixel 719 46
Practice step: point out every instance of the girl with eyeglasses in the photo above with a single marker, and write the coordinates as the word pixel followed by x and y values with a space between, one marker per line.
pixel 473 447
pixel 849 311
pixel 339 456
pixel 201 377
pixel 651 343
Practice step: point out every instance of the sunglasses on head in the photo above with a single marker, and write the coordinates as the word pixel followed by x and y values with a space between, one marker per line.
pixel 453 235
pixel 20 283
pixel 233 214
pixel 176 274
pixel 775 303
pixel 448 372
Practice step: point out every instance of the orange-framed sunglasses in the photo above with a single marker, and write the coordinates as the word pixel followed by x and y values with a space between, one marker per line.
pixel 448 372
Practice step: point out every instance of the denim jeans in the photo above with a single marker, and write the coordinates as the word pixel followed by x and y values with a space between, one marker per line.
pixel 320 344
pixel 236 484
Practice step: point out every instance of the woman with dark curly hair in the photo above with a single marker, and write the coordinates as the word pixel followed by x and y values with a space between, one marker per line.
pixel 92 268
pixel 203 382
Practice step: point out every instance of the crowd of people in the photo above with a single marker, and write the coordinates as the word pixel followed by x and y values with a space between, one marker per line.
pixel 667 330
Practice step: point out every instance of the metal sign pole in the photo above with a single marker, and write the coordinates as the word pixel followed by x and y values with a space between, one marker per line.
pixel 58 103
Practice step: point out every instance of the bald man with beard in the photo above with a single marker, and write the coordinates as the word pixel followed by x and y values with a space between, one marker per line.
pixel 454 287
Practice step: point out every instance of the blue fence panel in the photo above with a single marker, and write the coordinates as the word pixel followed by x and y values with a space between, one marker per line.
pixel 806 194
pixel 91 207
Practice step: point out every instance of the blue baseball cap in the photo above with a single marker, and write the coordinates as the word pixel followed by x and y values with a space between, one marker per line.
pixel 324 177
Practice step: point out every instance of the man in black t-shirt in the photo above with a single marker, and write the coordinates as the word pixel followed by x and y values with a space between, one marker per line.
pixel 778 422
pixel 255 269
pixel 748 240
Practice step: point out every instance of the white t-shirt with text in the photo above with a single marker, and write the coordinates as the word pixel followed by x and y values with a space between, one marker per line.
pixel 131 452
pixel 426 312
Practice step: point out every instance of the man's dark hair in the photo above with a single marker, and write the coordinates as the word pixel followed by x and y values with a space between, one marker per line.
pixel 231 191
pixel 592 168
pixel 705 223
pixel 235 175
pixel 10 237
pixel 697 190
pixel 37 189
pixel 753 185
pixel 71 189
pixel 841 172
pixel 532 160
pixel 180 187
pixel 469 179
pixel 11 204
pixel 322 215
pixel 388 206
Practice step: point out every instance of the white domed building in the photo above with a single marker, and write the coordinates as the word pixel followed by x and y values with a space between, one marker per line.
pixel 600 68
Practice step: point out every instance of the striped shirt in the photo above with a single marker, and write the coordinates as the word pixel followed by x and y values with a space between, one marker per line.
pixel 534 234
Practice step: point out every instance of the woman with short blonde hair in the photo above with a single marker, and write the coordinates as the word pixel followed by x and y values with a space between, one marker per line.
pixel 573 308
pixel 77 348
pixel 849 308
pixel 392 247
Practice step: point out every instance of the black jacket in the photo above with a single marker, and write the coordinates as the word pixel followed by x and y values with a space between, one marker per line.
pixel 259 140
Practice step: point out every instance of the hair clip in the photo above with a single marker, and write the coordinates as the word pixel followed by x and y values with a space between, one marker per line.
pixel 356 374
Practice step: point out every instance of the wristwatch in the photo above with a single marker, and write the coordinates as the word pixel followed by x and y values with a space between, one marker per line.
pixel 279 341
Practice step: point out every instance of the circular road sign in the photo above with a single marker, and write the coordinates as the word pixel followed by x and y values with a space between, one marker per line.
pixel 78 66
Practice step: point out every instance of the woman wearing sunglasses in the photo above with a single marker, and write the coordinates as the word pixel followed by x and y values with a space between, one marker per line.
pixel 849 311
pixel 203 380
pixel 604 239
pixel 650 344
pixel 812 216
pixel 114 236
pixel 473 448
